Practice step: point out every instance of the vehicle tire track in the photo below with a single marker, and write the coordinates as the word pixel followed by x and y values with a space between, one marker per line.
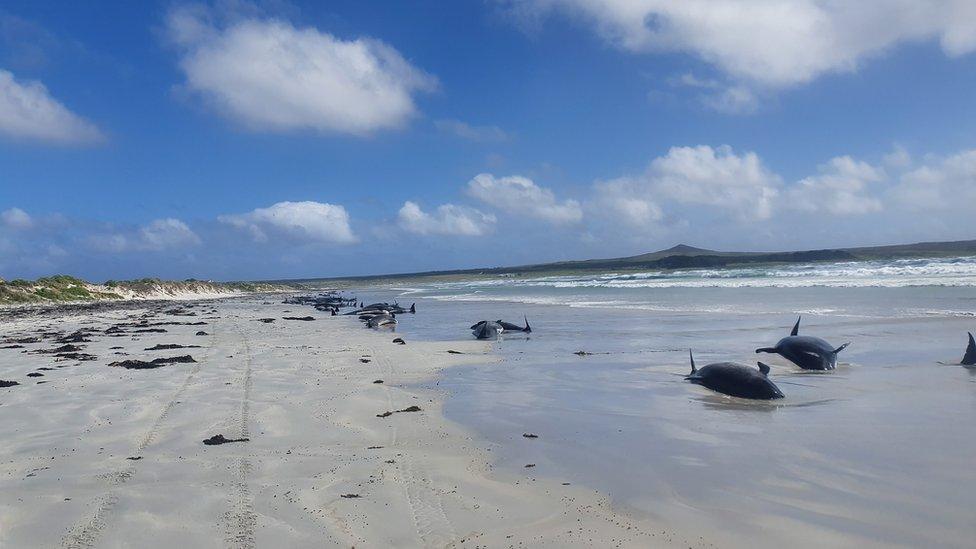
pixel 433 527
pixel 86 533
pixel 241 520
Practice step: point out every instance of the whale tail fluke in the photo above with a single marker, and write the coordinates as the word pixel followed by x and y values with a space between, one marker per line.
pixel 841 348
pixel 528 329
pixel 970 358
pixel 796 327
pixel 764 368
pixel 692 358
pixel 766 350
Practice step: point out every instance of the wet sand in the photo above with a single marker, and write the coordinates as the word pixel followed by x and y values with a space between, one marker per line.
pixel 93 455
pixel 877 453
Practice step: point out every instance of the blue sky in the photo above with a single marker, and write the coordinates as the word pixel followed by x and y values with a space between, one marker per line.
pixel 237 140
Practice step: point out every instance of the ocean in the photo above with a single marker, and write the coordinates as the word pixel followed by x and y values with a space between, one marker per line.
pixel 878 452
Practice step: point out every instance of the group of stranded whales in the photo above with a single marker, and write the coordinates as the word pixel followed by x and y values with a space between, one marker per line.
pixel 740 380
pixel 807 352
pixel 381 315
pixel 729 378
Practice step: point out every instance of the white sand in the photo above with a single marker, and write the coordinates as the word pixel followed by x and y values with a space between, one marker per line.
pixel 308 404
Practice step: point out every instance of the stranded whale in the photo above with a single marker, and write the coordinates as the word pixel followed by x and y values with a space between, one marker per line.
pixel 734 379
pixel 807 352
pixel 487 329
pixel 969 359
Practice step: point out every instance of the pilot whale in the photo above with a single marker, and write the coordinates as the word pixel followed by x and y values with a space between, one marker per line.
pixel 969 359
pixel 807 352
pixel 734 379
pixel 487 329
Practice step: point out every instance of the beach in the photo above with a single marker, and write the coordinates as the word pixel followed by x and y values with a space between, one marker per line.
pixel 95 455
pixel 582 432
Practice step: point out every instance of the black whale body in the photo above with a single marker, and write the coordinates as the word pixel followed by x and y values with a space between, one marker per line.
pixel 735 379
pixel 807 352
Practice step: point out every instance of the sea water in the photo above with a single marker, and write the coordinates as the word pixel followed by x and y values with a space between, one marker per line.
pixel 881 450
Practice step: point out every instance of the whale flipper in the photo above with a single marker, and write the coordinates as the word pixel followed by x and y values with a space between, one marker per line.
pixel 796 327
pixel 841 348
pixel 970 358
pixel 763 368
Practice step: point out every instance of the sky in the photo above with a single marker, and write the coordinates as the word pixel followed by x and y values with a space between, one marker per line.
pixel 238 140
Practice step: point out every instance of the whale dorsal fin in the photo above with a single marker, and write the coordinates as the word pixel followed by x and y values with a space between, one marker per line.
pixel 763 368
pixel 970 358
pixel 796 327
pixel 527 327
pixel 692 357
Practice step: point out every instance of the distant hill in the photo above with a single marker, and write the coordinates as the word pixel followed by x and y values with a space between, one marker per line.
pixel 683 256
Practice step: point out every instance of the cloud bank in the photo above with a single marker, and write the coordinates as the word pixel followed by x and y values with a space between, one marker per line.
pixel 768 44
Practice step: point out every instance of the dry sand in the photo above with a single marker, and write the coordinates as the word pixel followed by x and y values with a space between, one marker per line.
pixel 100 456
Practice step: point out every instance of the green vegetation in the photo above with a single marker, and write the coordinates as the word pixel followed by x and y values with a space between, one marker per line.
pixel 64 288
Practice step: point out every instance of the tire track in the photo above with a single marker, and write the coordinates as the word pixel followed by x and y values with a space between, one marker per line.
pixel 86 533
pixel 241 520
pixel 433 527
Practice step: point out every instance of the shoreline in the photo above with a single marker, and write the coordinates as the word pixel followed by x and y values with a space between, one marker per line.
pixel 319 465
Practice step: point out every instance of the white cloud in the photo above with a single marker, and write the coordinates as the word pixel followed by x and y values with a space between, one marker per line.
pixel 941 184
pixel 772 43
pixel 16 218
pixel 158 235
pixel 312 221
pixel 167 233
pixel 842 188
pixel 449 219
pixel 626 200
pixel 732 100
pixel 521 196
pixel 270 75
pixel 27 111
pixel 473 133
pixel 716 177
